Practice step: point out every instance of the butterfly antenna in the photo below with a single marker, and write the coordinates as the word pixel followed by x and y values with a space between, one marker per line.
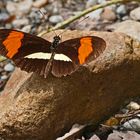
pixel 76 25
pixel 54 32
pixel 43 15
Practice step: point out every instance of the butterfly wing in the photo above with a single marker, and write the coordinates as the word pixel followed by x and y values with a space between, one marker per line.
pixel 77 52
pixel 16 45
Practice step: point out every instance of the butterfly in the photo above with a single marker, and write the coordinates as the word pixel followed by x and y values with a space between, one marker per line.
pixel 35 54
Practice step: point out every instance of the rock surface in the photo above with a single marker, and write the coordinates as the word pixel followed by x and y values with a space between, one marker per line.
pixel 135 14
pixel 129 27
pixel 38 109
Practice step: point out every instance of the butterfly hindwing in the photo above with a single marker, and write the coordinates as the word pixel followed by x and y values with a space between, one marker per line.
pixel 79 51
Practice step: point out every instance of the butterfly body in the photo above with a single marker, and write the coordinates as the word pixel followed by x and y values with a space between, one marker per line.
pixel 34 54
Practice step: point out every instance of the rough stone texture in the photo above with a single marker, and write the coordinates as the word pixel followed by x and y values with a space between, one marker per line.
pixel 34 108
pixel 135 14
pixel 129 27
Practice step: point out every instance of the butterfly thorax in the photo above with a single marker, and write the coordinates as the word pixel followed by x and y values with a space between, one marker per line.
pixel 55 43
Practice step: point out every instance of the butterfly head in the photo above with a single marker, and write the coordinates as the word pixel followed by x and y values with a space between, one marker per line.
pixel 55 42
pixel 57 39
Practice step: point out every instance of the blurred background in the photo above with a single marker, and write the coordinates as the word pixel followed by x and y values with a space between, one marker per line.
pixel 35 16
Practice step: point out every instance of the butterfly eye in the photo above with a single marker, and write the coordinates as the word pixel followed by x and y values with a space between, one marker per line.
pixel 57 38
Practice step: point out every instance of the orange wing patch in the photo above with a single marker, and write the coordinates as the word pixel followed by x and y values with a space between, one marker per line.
pixel 13 43
pixel 85 49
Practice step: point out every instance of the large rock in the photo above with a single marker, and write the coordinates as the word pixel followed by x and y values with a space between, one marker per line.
pixel 129 27
pixel 34 108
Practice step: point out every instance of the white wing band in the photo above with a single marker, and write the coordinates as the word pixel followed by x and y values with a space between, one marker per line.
pixel 41 55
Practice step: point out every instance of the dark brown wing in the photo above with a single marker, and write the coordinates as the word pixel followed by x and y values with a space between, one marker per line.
pixel 80 51
pixel 16 45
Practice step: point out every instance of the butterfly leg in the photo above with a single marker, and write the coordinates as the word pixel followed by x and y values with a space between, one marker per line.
pixel 49 65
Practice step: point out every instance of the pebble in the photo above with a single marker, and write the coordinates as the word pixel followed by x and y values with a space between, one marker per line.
pixel 4 77
pixel 91 3
pixel 4 17
pixel 133 106
pixel 94 137
pixel 11 7
pixel 133 124
pixel 40 3
pixel 26 28
pixel 101 1
pixel 135 14
pixel 95 15
pixel 55 19
pixel 20 8
pixel 25 6
pixel 121 10
pixel 9 67
pixel 108 14
pixel 18 23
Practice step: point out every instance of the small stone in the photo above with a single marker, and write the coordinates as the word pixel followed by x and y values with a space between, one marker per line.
pixel 55 19
pixel 133 106
pixel 27 28
pixel 133 124
pixel 20 8
pixel 4 77
pixel 108 14
pixel 94 137
pixel 91 3
pixel 40 3
pixel 20 22
pixel 9 67
pixel 121 10
pixel 135 14
pixel 95 15
pixel 11 7
pixel 125 18
pixel 25 6
pixel 101 1
pixel 8 26
pixel 4 17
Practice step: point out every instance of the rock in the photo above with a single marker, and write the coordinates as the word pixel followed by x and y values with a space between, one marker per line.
pixel 36 108
pixel 128 27
pixel 18 23
pixel 135 14
pixel 125 18
pixel 55 19
pixel 19 8
pixel 75 132
pixel 121 10
pixel 95 15
pixel 4 17
pixel 90 3
pixel 133 124
pixel 108 14
pixel 9 67
pixel 25 9
pixel 128 135
pixel 11 7
pixel 94 137
pixel 101 1
pixel 133 106
pixel 4 77
pixel 27 28
pixel 39 3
